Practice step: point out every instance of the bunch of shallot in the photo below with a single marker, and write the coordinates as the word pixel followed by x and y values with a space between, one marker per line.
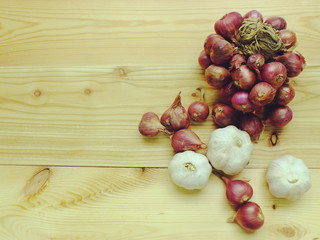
pixel 253 77
pixel 175 122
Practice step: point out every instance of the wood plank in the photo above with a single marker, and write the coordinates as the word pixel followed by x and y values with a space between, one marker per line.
pixel 123 32
pixel 124 203
pixel 89 116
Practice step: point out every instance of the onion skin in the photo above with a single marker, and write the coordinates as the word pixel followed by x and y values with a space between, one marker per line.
pixel 176 116
pixel 288 38
pixel 237 191
pixel 204 60
pixel 277 23
pixel 228 25
pixel 274 73
pixel 251 124
pixel 224 115
pixel 262 94
pixel 217 76
pixel 284 94
pixel 221 51
pixel 227 91
pixel 253 13
pixel 243 78
pixel 294 63
pixel 249 216
pixel 236 61
pixel 185 140
pixel 210 40
pixel 279 116
pixel 240 101
pixel 256 62
pixel 150 125
pixel 198 111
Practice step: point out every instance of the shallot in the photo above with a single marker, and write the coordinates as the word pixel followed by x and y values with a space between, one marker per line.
pixel 249 216
pixel 221 51
pixel 252 124
pixel 253 13
pixel 294 63
pixel 284 94
pixel 198 111
pixel 176 116
pixel 223 115
pixel 150 125
pixel 277 23
pixel 279 116
pixel 227 91
pixel 236 61
pixel 186 139
pixel 288 38
pixel 217 76
pixel 256 62
pixel 241 102
pixel 204 60
pixel 262 94
pixel 274 73
pixel 228 25
pixel 243 78
pixel 210 40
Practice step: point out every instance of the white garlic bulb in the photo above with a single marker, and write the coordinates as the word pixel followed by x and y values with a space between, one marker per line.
pixel 288 177
pixel 229 149
pixel 190 170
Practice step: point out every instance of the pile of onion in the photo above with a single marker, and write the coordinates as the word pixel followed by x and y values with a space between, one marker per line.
pixel 251 79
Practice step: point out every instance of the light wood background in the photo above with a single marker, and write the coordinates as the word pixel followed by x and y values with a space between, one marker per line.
pixel 75 79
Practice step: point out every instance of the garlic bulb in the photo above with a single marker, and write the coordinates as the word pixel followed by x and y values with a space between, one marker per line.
pixel 190 170
pixel 288 177
pixel 229 149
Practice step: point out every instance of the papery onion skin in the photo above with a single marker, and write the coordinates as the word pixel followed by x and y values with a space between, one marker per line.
pixel 176 116
pixel 210 40
pixel 284 94
pixel 256 62
pixel 274 73
pixel 252 124
pixel 249 216
pixel 240 101
pixel 294 63
pixel 288 38
pixel 277 23
pixel 262 94
pixel 217 76
pixel 253 13
pixel 227 91
pixel 198 111
pixel 150 125
pixel 204 60
pixel 185 140
pixel 279 116
pixel 224 115
pixel 221 51
pixel 228 25
pixel 243 78
pixel 236 61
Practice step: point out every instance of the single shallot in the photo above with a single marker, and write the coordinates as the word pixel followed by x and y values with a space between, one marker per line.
pixel 186 139
pixel 150 125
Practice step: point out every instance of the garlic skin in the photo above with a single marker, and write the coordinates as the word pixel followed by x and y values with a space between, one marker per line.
pixel 288 177
pixel 190 170
pixel 229 149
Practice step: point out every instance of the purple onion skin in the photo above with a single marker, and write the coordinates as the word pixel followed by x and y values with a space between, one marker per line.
pixel 279 116
pixel 217 76
pixel 228 25
pixel 284 94
pixel 210 40
pixel 277 23
pixel 262 94
pixel 243 78
pixel 204 60
pixel 198 111
pixel 253 13
pixel 224 115
pixel 252 124
pixel 240 101
pixel 227 91
pixel 274 73
pixel 294 63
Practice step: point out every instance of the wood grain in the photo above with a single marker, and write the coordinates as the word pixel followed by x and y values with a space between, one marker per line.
pixel 135 203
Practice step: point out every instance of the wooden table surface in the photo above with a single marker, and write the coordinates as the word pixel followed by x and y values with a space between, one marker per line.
pixel 75 79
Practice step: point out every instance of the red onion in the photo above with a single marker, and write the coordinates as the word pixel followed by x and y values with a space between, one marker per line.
pixel 227 91
pixel 237 191
pixel 176 117
pixel 223 115
pixel 150 125
pixel 251 124
pixel 243 78
pixel 294 62
pixel 262 94
pixel 277 23
pixel 279 116
pixel 256 63
pixel 217 76
pixel 198 111
pixel 240 101
pixel 249 216
pixel 236 61
pixel 204 60
pixel 253 13
pixel 274 73
pixel 284 94
pixel 185 139
pixel 228 25
pixel 221 51
pixel 210 40
pixel 288 38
